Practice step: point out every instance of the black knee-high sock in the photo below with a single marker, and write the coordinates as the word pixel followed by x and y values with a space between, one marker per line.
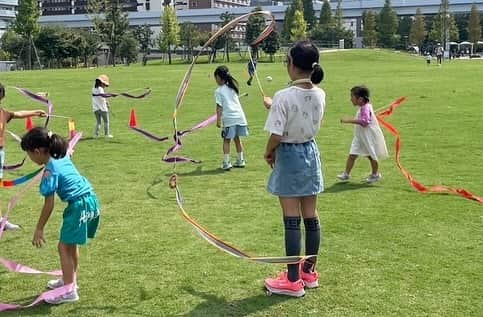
pixel 312 242
pixel 293 244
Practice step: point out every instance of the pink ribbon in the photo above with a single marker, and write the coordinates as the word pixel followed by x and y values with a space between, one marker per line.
pixel 47 295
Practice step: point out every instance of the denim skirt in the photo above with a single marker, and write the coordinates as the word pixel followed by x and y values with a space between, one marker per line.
pixel 297 170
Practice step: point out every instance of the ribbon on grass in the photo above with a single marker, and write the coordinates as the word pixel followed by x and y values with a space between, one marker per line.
pixel 220 244
pixel 20 268
pixel 124 94
pixel 47 295
pixel 381 115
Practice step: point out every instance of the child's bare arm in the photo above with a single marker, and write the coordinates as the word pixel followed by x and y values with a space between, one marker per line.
pixel 28 113
pixel 267 102
pixel 47 209
pixel 219 111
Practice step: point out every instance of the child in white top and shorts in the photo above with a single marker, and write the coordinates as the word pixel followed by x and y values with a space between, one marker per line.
pixel 230 115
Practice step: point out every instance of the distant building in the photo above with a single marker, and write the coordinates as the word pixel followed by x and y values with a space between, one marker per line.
pixel 8 9
pixel 68 7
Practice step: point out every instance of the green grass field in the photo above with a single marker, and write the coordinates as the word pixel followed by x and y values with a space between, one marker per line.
pixel 387 250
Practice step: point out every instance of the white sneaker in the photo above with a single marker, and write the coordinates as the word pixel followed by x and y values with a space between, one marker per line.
pixel 239 164
pixel 343 176
pixel 109 136
pixel 373 178
pixel 10 226
pixel 53 284
pixel 226 166
pixel 66 298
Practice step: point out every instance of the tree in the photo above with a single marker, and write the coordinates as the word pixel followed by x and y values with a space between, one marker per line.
pixel 474 27
pixel 89 46
pixel 170 35
pixel 299 27
pixel 255 26
pixel 128 48
pixel 403 31
pixel 418 30
pixel 110 23
pixel 325 20
pixel 369 33
pixel 12 43
pixel 143 36
pixel 387 25
pixel 49 42
pixel 27 24
pixel 444 26
pixel 226 17
pixel 289 18
pixel 189 37
pixel 271 44
pixel 309 14
pixel 339 16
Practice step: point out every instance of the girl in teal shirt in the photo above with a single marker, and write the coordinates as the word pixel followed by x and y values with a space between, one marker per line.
pixel 81 216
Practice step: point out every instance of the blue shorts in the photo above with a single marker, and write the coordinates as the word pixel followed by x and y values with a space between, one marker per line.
pixel 2 162
pixel 80 220
pixel 234 131
pixel 297 170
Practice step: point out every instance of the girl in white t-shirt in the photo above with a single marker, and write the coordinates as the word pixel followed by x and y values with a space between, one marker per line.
pixel 368 138
pixel 293 122
pixel 100 105
pixel 230 116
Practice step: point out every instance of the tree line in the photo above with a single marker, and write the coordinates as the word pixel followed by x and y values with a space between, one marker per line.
pixel 57 46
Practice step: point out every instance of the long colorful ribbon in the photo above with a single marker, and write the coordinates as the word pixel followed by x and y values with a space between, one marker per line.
pixel 211 238
pixel 20 180
pixel 40 99
pixel 255 72
pixel 34 176
pixel 412 181
pixel 123 94
pixel 220 244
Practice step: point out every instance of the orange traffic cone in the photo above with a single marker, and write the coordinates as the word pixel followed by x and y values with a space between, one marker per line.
pixel 29 125
pixel 71 128
pixel 132 121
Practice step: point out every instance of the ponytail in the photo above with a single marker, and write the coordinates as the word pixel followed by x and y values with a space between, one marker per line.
pixel 97 83
pixel 224 74
pixel 41 138
pixel 57 146
pixel 317 73
pixel 305 55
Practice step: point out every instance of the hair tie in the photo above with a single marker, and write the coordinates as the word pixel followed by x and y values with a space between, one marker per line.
pixel 314 64
pixel 49 134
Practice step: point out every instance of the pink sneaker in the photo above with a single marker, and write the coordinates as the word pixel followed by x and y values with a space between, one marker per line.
pixel 281 285
pixel 311 279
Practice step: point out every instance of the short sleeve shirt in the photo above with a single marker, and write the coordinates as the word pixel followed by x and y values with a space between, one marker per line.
pixel 296 114
pixel 61 177
pixel 232 111
pixel 98 102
